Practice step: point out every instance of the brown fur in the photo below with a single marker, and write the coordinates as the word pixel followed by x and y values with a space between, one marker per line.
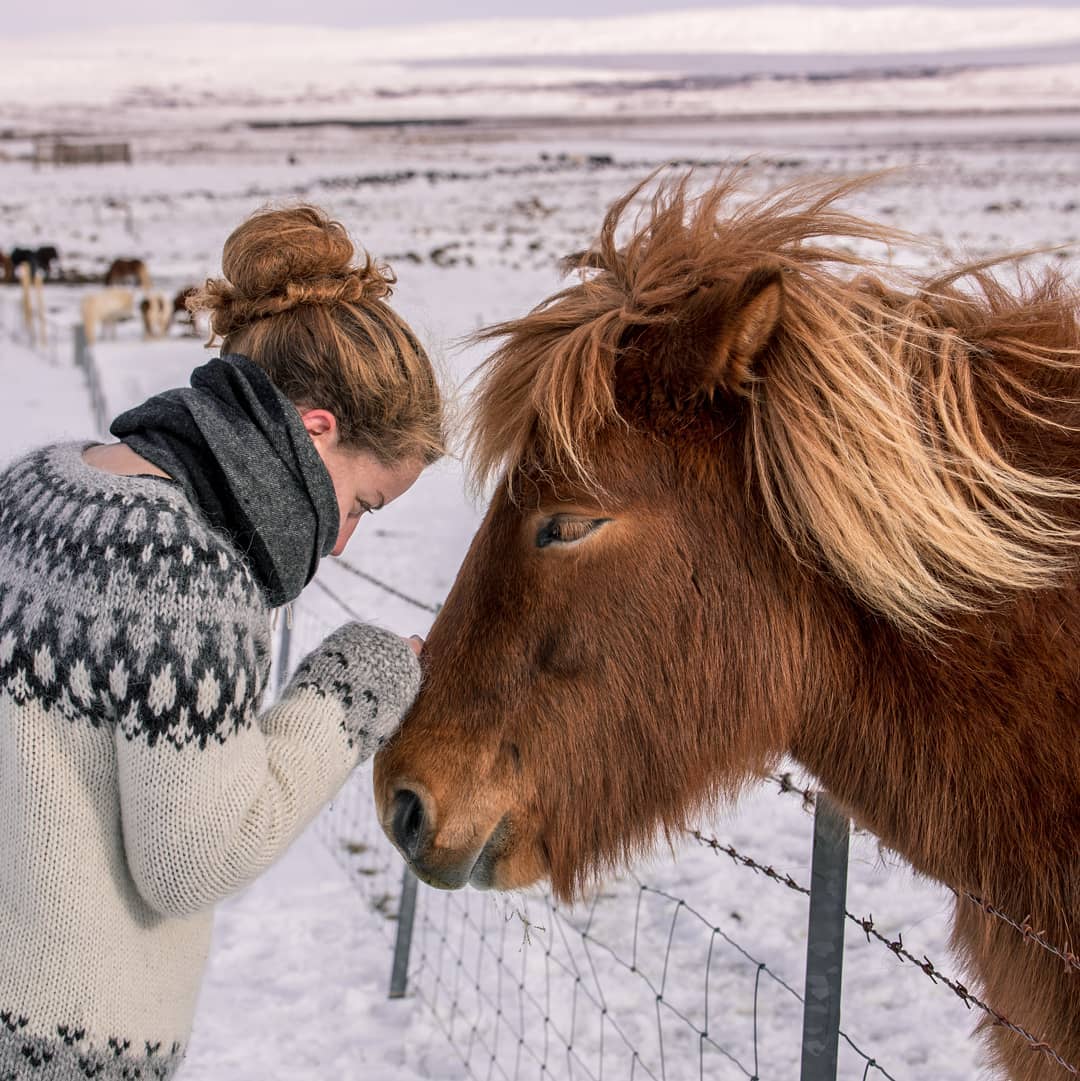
pixel 128 272
pixel 818 512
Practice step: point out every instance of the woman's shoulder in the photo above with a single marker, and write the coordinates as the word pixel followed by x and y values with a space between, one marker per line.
pixel 143 530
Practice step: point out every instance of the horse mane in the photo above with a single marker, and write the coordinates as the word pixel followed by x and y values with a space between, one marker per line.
pixel 877 427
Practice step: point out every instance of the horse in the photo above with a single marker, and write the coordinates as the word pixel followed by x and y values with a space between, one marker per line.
pixel 759 496
pixel 128 272
pixel 38 259
pixel 157 313
pixel 181 310
pixel 31 279
pixel 104 310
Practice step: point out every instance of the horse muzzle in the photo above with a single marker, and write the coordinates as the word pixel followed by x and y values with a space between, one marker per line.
pixel 409 825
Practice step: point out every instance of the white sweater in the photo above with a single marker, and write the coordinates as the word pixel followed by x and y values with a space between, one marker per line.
pixel 139 781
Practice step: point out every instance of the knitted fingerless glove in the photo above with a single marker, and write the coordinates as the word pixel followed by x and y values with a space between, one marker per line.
pixel 371 672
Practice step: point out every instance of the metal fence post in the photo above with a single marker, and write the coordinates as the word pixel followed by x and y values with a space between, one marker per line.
pixel 80 346
pixel 825 943
pixel 399 974
pixel 284 650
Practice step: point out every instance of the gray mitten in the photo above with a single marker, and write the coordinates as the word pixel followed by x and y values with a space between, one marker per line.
pixel 373 673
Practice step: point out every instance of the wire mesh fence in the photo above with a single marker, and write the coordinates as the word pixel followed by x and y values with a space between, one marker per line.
pixel 87 364
pixel 45 336
pixel 637 984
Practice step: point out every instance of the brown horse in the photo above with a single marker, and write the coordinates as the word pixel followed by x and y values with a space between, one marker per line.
pixel 760 497
pixel 128 272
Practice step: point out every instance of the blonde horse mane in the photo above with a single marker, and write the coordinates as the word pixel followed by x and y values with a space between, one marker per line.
pixel 874 419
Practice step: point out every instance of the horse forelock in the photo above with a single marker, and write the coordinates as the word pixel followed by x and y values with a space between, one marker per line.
pixel 874 426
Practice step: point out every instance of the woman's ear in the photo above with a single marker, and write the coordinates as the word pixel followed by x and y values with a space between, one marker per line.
pixel 321 424
pixel 746 325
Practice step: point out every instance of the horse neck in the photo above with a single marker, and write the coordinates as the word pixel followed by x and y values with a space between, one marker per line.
pixel 963 755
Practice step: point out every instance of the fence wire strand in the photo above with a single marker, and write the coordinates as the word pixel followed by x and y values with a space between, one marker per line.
pixel 896 947
pixel 502 1018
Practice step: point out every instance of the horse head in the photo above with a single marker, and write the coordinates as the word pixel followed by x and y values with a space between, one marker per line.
pixel 738 468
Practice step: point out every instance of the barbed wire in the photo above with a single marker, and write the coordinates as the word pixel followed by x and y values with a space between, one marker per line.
pixel 1023 927
pixel 345 565
pixel 347 609
pixel 787 785
pixel 746 861
pixel 895 946
pixel 1027 932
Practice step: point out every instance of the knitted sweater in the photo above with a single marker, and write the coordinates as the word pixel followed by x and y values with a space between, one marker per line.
pixel 139 781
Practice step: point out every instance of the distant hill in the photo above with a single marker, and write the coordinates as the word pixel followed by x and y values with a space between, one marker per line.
pixel 724 60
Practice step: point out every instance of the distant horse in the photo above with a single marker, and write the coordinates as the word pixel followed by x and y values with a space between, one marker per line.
pixel 101 311
pixel 39 259
pixel 128 272
pixel 31 279
pixel 761 498
pixel 157 312
pixel 181 312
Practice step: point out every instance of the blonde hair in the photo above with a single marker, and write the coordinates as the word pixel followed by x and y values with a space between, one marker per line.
pixel 295 302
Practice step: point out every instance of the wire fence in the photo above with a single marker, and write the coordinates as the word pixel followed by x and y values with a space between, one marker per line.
pixel 51 341
pixel 43 335
pixel 85 362
pixel 640 984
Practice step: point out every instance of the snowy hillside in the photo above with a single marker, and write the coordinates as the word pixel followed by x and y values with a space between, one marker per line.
pixel 686 63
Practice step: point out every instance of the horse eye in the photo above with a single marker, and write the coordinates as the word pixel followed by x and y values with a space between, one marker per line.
pixel 565 529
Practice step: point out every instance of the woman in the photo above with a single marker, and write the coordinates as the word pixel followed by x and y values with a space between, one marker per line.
pixel 140 782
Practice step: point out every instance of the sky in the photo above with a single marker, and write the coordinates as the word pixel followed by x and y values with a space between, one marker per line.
pixel 76 15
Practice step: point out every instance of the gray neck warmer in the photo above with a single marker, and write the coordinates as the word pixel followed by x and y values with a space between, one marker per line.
pixel 239 449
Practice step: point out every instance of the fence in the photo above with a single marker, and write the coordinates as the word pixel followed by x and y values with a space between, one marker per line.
pixel 571 1001
pixel 49 347
pixel 84 361
pixel 44 336
pixel 526 988
pixel 58 152
pixel 642 983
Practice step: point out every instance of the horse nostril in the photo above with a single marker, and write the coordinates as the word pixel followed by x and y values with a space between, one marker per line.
pixel 408 822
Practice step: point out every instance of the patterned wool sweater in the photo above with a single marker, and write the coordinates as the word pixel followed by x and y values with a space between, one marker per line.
pixel 139 781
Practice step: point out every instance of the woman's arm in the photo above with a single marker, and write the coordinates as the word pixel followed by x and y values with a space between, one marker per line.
pixel 202 817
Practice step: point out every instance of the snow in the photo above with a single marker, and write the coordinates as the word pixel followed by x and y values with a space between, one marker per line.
pixel 473 220
pixel 44 399
pixel 190 74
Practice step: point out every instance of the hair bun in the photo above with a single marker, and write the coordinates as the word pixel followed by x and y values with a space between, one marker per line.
pixel 279 259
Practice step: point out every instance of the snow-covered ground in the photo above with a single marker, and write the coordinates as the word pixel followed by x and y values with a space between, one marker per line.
pixel 473 219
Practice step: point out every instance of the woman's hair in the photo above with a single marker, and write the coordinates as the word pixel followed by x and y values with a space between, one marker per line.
pixel 295 301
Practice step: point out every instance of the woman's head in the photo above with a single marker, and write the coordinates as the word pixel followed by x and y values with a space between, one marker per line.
pixel 295 300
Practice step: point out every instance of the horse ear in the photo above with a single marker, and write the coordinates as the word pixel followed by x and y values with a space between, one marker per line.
pixel 748 324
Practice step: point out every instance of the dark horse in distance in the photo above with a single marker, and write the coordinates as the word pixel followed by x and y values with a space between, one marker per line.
pixel 761 497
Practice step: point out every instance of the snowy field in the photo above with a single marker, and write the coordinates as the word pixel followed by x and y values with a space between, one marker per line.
pixel 473 218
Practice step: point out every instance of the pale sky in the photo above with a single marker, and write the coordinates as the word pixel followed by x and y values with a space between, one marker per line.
pixel 22 18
